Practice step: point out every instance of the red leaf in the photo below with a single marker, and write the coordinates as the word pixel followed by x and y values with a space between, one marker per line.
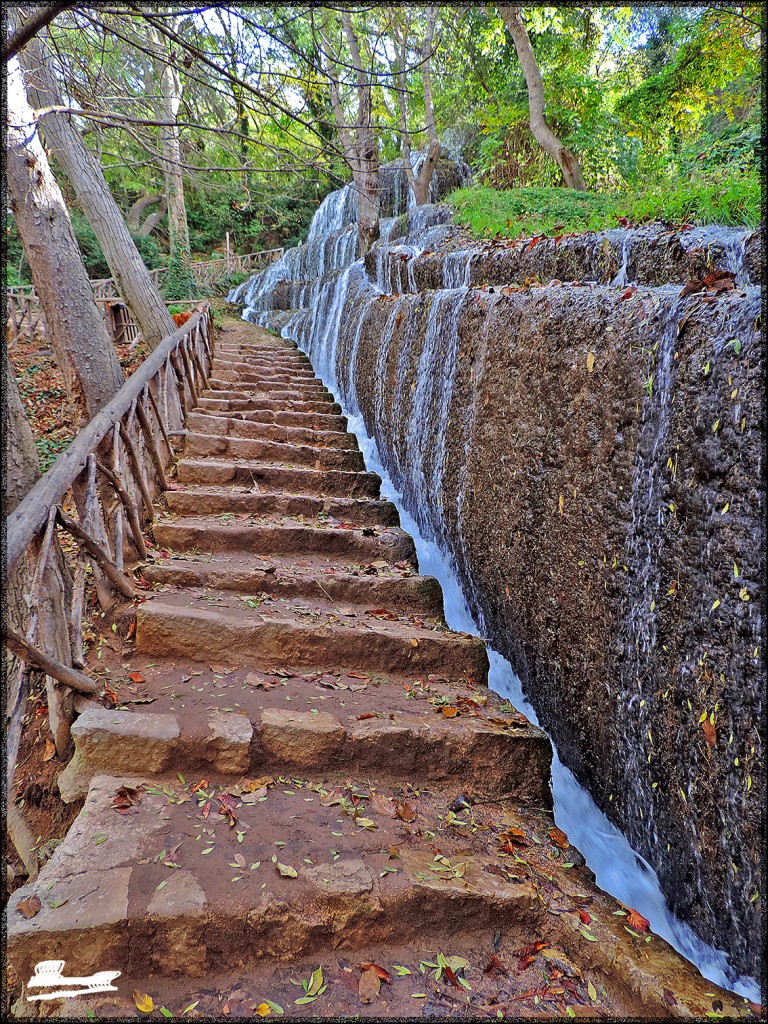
pixel 628 293
pixel 136 677
pixel 695 284
pixel 383 974
pixel 368 714
pixel 585 918
pixel 531 244
pixel 637 921
pixel 494 965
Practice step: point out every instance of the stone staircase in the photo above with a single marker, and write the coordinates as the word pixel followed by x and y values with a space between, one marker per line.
pixel 320 778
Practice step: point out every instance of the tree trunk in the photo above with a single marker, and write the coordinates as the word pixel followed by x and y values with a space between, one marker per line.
pixel 179 280
pixel 134 282
pixel 546 138
pixel 361 149
pixel 75 325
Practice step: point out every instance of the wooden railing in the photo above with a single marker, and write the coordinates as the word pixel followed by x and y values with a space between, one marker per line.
pixel 25 314
pixel 99 494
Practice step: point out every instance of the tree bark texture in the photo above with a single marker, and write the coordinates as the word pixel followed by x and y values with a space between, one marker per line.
pixel 75 325
pixel 549 142
pixel 134 282
pixel 419 182
pixel 169 102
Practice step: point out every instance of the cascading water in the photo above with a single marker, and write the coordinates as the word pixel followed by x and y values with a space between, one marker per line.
pixel 337 309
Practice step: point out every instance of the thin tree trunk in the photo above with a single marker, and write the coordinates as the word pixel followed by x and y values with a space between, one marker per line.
pixel 134 281
pixel 549 142
pixel 75 325
pixel 179 274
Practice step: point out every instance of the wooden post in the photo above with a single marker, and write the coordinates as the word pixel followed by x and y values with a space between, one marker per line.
pixel 154 454
pixel 118 580
pixel 34 656
pixel 138 476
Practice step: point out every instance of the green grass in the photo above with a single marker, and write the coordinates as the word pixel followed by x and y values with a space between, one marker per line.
pixel 525 212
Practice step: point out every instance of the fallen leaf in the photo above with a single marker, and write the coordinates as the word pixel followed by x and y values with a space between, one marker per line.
pixel 143 1002
pixel 691 286
pixel 628 293
pixel 494 965
pixel 383 974
pixel 561 961
pixel 383 805
pixel 370 986
pixel 252 798
pixel 136 677
pixel 590 362
pixel 449 712
pixel 584 917
pixel 29 907
pixel 512 837
pixel 405 812
pixel 559 838
pixel 710 732
pixel 637 921
pixel 50 750
pixel 286 870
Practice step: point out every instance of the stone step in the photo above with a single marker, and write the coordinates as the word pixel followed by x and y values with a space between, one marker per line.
pixel 172 625
pixel 290 371
pixel 287 880
pixel 286 353
pixel 207 423
pixel 238 400
pixel 248 413
pixel 201 533
pixel 261 723
pixel 312 578
pixel 256 386
pixel 354 511
pixel 255 449
pixel 223 370
pixel 337 483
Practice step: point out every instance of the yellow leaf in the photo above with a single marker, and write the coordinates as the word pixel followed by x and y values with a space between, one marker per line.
pixel 414 642
pixel 561 503
pixel 735 571
pixel 287 871
pixel 715 605
pixel 592 992
pixel 263 1009
pixel 143 1002
pixel 590 361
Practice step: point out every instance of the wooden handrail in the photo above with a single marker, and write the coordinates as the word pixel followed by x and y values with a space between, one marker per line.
pixel 23 524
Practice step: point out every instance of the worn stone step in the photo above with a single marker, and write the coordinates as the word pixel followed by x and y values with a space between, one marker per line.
pixel 276 354
pixel 341 582
pixel 355 511
pixel 172 625
pixel 236 400
pixel 277 725
pixel 207 423
pixel 223 370
pixel 336 482
pixel 168 888
pixel 249 414
pixel 292 371
pixel 202 533
pixel 255 449
pixel 283 392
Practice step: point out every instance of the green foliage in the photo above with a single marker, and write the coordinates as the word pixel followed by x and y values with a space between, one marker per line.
pixel 729 198
pixel 179 282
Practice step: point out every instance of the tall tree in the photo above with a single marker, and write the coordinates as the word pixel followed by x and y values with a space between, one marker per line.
pixel 359 143
pixel 549 142
pixel 420 181
pixel 133 280
pixel 179 281
pixel 76 327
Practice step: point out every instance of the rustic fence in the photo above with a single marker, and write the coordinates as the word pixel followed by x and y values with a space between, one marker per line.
pixel 98 495
pixel 25 314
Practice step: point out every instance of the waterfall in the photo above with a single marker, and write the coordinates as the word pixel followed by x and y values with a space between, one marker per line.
pixel 403 434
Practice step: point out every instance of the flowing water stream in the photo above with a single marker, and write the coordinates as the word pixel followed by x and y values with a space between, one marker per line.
pixel 326 272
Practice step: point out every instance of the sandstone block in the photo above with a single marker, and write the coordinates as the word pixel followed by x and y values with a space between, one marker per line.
pixel 301 738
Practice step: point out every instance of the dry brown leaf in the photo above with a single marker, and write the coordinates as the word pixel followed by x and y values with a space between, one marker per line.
pixel 50 750
pixel 405 812
pixel 590 362
pixel 370 986
pixel 382 805
pixel 559 838
pixel 29 907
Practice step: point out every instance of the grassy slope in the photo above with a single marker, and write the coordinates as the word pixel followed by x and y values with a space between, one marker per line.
pixel 524 212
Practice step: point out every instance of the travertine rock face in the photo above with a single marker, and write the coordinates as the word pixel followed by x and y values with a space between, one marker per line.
pixel 589 452
pixel 594 468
